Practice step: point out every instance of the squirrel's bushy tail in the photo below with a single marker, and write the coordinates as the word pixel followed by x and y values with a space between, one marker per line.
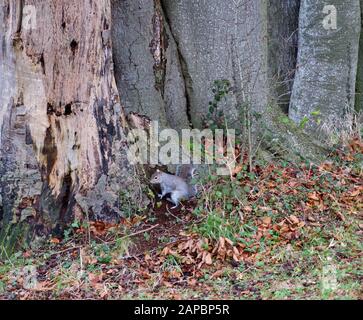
pixel 187 172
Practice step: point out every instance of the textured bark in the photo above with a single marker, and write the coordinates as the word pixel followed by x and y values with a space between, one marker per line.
pixel 359 84
pixel 283 20
pixel 220 40
pixel 327 65
pixel 147 66
pixel 62 146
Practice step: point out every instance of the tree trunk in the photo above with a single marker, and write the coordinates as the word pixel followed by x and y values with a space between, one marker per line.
pixel 147 65
pixel 324 85
pixel 221 40
pixel 359 85
pixel 62 145
pixel 62 123
pixel 283 20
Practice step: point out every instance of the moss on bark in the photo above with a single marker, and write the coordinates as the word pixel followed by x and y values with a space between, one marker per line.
pixel 282 138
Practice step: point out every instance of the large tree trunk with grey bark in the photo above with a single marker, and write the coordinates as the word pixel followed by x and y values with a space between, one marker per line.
pixel 283 22
pixel 62 140
pixel 221 41
pixel 147 63
pixel 359 84
pixel 169 53
pixel 325 80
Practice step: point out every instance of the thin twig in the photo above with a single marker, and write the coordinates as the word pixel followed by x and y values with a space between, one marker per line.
pixel 65 250
pixel 136 233
pixel 177 218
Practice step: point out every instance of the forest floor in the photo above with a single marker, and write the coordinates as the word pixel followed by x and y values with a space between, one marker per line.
pixel 282 231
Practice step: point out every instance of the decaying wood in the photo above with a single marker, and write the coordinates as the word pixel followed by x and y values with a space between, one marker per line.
pixel 63 118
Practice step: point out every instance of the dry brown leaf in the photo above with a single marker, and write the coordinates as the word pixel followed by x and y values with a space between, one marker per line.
pixel 340 216
pixel 27 254
pixel 294 219
pixel 94 278
pixel 229 241
pixel 192 282
pixel 311 219
pixel 266 220
pixel 237 169
pixel 217 274
pixel 208 259
pixel 355 193
pixel 284 228
pixel 55 240
pixel 313 196
pixel 301 224
pixel 222 242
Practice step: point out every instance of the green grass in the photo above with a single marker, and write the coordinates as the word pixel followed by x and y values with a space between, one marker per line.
pixel 215 226
pixel 323 262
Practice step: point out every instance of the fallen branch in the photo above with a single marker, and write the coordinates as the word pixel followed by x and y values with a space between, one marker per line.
pixel 138 232
pixel 65 250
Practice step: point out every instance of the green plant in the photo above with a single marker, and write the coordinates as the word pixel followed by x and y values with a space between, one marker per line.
pixel 102 252
pixel 315 116
pixel 216 226
pixel 146 236
pixel 171 263
pixel 215 116
pixel 128 203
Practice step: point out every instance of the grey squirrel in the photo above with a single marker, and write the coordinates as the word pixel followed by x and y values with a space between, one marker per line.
pixel 179 186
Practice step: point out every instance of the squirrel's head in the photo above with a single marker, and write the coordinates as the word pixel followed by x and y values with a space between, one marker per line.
pixel 156 177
